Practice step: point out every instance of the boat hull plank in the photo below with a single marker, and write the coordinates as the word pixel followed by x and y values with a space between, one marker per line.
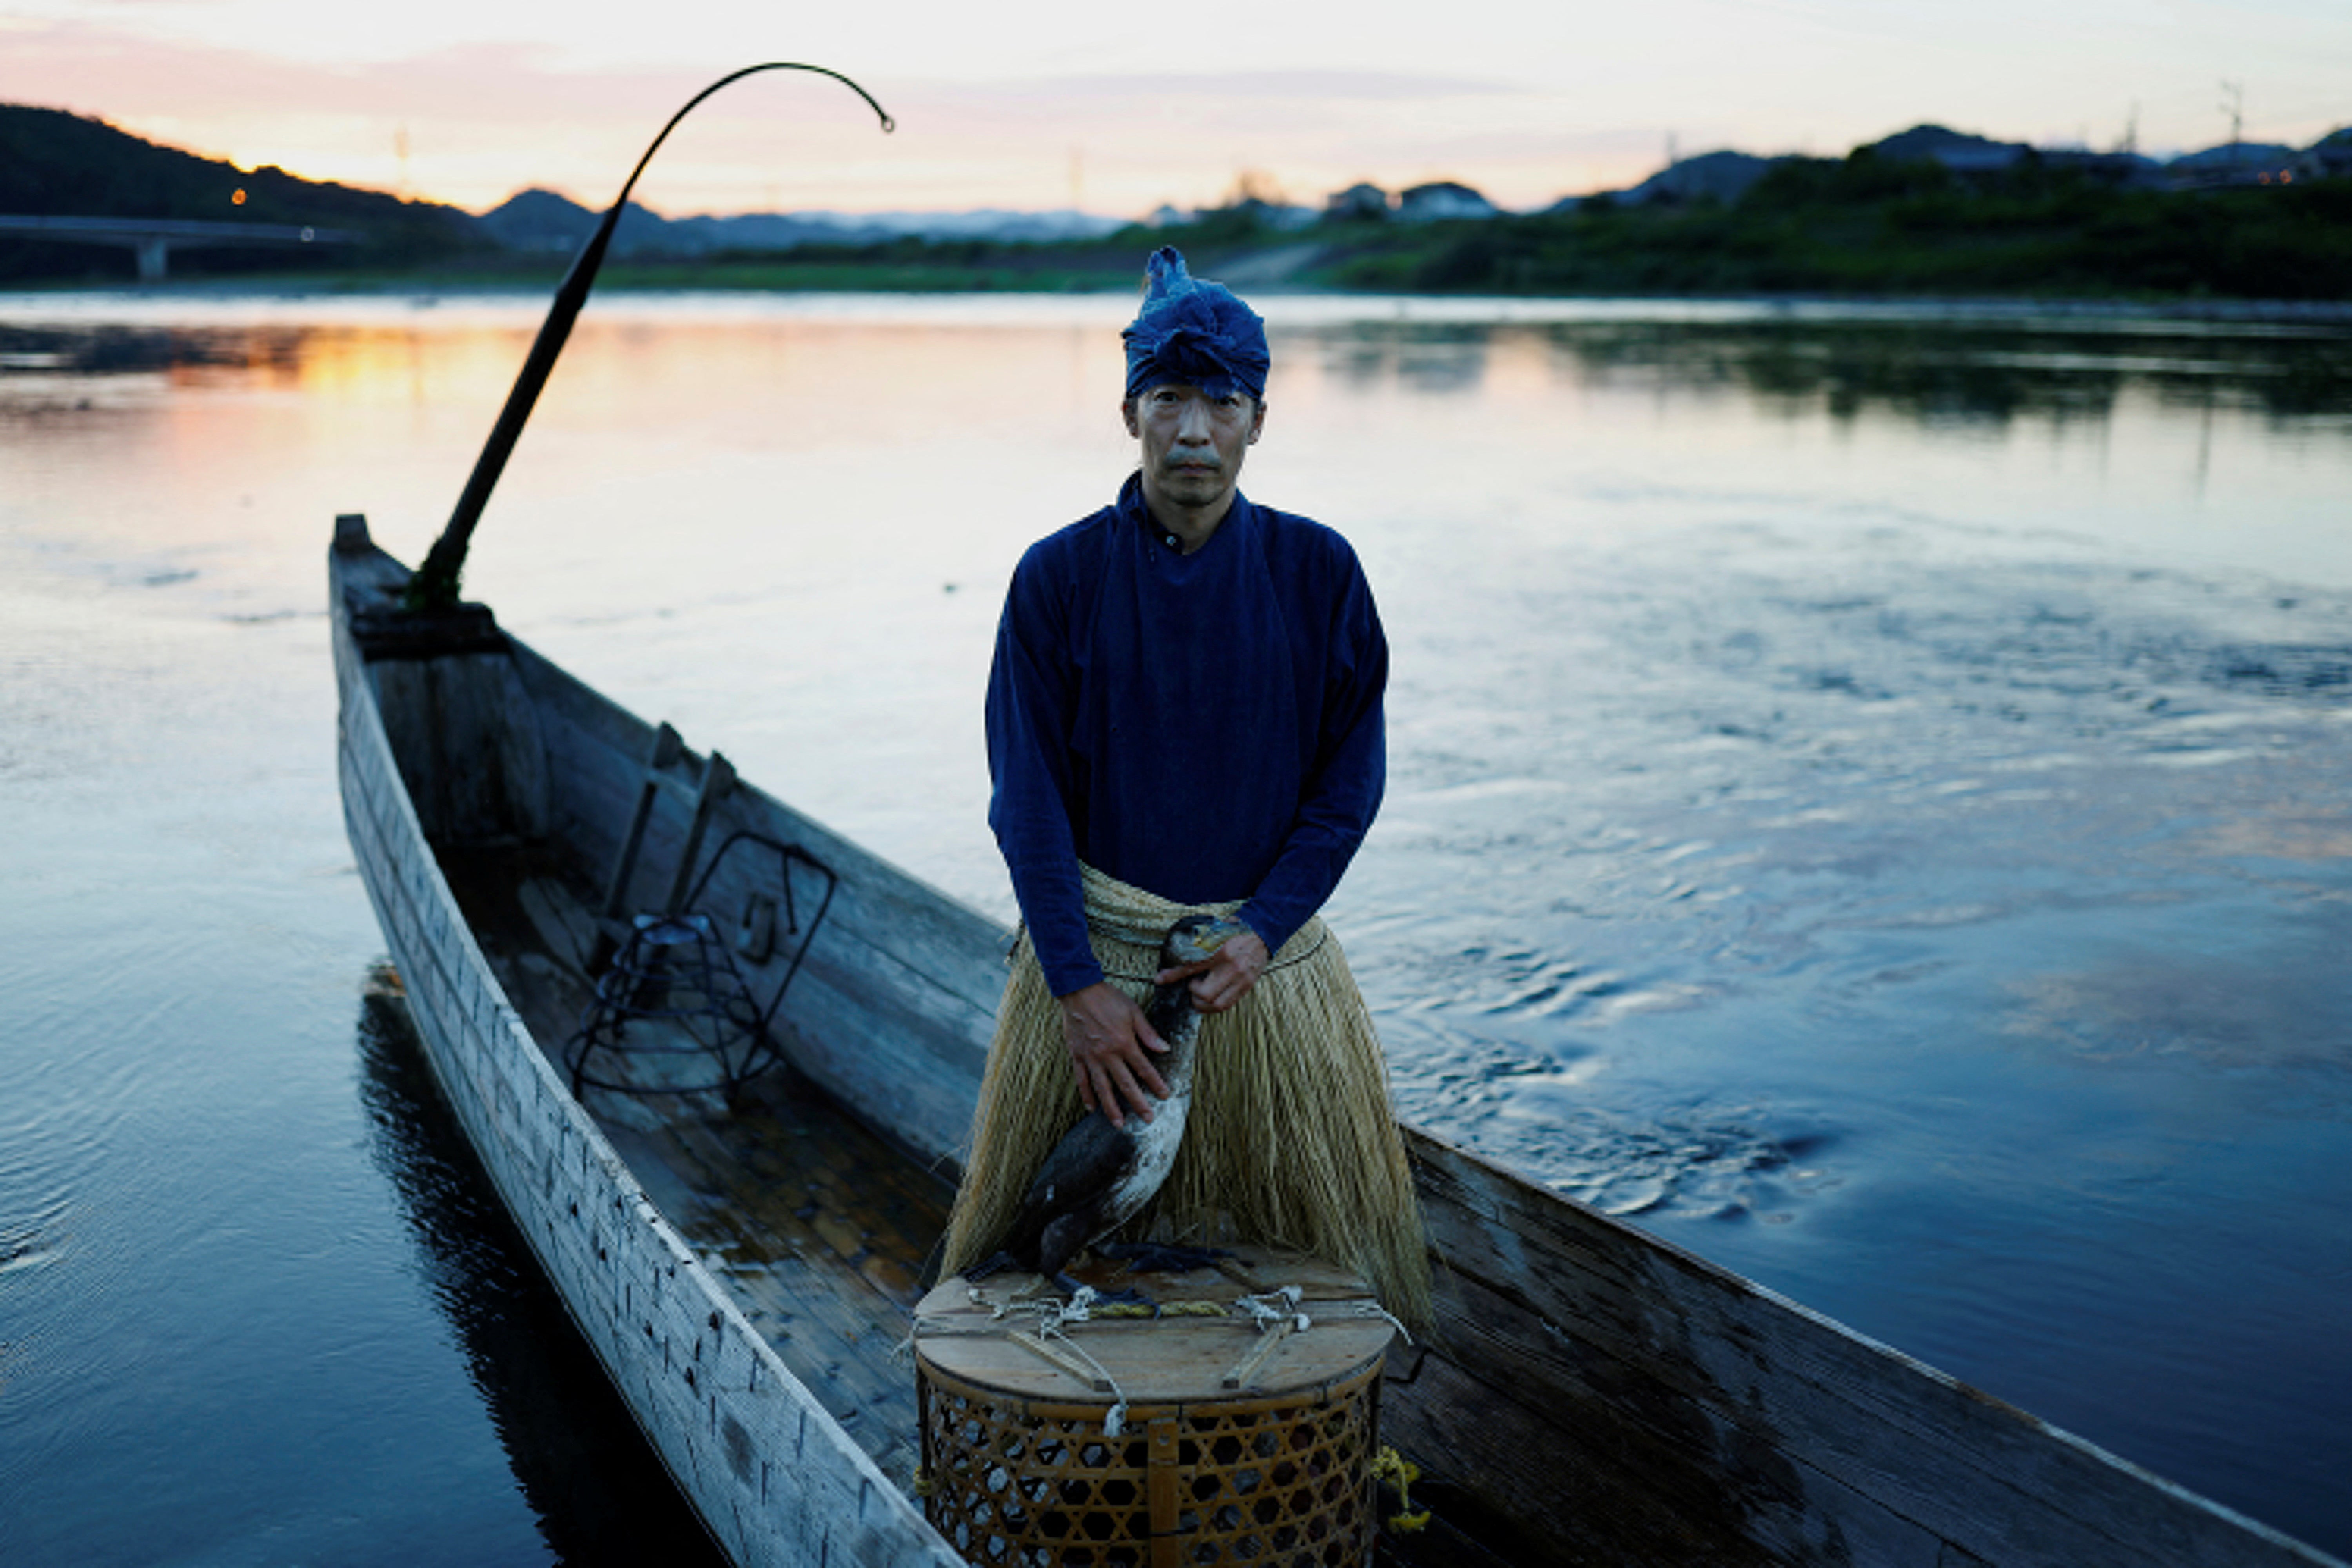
pixel 1617 1465
pixel 1816 1434
pixel 467 739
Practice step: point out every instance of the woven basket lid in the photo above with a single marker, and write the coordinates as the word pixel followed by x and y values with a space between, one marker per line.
pixel 1170 1360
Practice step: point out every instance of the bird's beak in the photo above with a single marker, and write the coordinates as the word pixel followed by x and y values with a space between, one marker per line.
pixel 1200 945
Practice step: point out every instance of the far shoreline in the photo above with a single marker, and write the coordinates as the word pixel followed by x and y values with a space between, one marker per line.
pixel 667 282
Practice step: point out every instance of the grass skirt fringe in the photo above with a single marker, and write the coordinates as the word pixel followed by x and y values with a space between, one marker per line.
pixel 1291 1141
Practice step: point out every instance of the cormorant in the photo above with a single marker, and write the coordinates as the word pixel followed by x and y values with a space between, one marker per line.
pixel 1099 1177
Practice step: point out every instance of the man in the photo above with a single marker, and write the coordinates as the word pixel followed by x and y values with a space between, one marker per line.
pixel 1184 714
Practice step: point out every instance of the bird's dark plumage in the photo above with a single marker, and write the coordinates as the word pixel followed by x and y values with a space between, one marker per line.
pixel 1099 1177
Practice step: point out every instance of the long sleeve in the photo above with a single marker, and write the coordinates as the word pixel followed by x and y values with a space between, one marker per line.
pixel 1030 712
pixel 1345 779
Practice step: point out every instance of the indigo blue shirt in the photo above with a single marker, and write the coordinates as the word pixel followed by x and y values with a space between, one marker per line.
pixel 1206 727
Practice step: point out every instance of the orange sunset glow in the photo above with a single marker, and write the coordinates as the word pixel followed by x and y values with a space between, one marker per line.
pixel 1046 104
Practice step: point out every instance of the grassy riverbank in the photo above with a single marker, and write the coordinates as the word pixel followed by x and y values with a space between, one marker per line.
pixel 1860 226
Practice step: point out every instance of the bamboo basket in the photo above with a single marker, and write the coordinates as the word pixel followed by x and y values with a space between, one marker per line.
pixel 1150 1443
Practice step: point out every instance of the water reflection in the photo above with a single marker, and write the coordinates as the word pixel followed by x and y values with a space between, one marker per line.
pixel 1921 368
pixel 601 1494
pixel 1927 371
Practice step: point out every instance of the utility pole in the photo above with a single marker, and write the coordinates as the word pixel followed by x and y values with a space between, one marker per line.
pixel 2131 131
pixel 2234 106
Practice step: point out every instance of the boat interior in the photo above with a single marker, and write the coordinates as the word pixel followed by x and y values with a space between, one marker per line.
pixel 820 1228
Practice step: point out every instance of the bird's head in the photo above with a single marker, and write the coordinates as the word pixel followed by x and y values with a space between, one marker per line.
pixel 1195 939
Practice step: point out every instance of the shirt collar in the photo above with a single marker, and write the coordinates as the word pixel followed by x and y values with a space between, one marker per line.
pixel 1136 511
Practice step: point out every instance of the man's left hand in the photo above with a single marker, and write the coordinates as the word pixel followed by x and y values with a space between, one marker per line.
pixel 1225 976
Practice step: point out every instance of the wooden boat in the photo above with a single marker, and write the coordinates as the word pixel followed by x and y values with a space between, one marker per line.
pixel 744 1270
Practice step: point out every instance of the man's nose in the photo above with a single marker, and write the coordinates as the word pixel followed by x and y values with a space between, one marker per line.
pixel 1192 424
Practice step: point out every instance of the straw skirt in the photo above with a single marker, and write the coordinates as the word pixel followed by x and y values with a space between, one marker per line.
pixel 1291 1141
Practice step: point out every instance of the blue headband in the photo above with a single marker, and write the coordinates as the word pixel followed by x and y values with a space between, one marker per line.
pixel 1193 334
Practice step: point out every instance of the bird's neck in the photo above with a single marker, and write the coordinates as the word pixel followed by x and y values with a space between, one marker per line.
pixel 1176 1067
pixel 1174 1019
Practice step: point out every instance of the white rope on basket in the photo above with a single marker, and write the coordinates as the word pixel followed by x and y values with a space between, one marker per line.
pixel 1051 1317
pixel 1275 1307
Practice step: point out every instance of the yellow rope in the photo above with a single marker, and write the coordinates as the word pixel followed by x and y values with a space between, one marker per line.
pixel 1160 1309
pixel 1400 1473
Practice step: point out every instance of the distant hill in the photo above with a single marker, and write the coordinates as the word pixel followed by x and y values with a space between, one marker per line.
pixel 1728 175
pixel 1959 150
pixel 55 165
pixel 537 220
pixel 2233 155
pixel 1722 177
pixel 543 220
pixel 58 164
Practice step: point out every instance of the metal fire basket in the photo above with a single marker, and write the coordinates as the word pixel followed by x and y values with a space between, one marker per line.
pixel 672 1013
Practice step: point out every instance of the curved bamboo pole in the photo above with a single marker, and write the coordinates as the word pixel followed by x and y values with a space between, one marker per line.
pixel 435 585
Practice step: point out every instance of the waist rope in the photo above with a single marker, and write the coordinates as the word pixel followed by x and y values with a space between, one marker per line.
pixel 1316 929
pixel 1124 916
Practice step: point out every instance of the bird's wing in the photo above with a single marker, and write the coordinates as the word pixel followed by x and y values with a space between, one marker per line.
pixel 1088 1160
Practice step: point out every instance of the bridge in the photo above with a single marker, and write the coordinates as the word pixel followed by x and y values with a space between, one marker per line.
pixel 155 239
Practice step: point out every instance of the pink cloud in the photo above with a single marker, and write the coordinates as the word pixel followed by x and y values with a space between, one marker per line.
pixel 482 120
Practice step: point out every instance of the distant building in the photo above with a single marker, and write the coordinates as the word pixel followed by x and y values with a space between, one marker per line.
pixel 1357 202
pixel 1280 217
pixel 1442 200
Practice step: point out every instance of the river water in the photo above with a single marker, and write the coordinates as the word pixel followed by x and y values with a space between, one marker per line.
pixel 1867 803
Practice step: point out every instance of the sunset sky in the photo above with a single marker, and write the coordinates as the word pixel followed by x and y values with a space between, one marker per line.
pixel 1047 103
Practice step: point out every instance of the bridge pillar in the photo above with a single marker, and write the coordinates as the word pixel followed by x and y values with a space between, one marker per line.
pixel 153 259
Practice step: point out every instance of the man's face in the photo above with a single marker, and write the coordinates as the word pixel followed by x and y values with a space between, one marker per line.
pixel 1192 444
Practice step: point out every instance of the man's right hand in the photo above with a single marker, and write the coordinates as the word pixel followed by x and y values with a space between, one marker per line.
pixel 1110 1047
